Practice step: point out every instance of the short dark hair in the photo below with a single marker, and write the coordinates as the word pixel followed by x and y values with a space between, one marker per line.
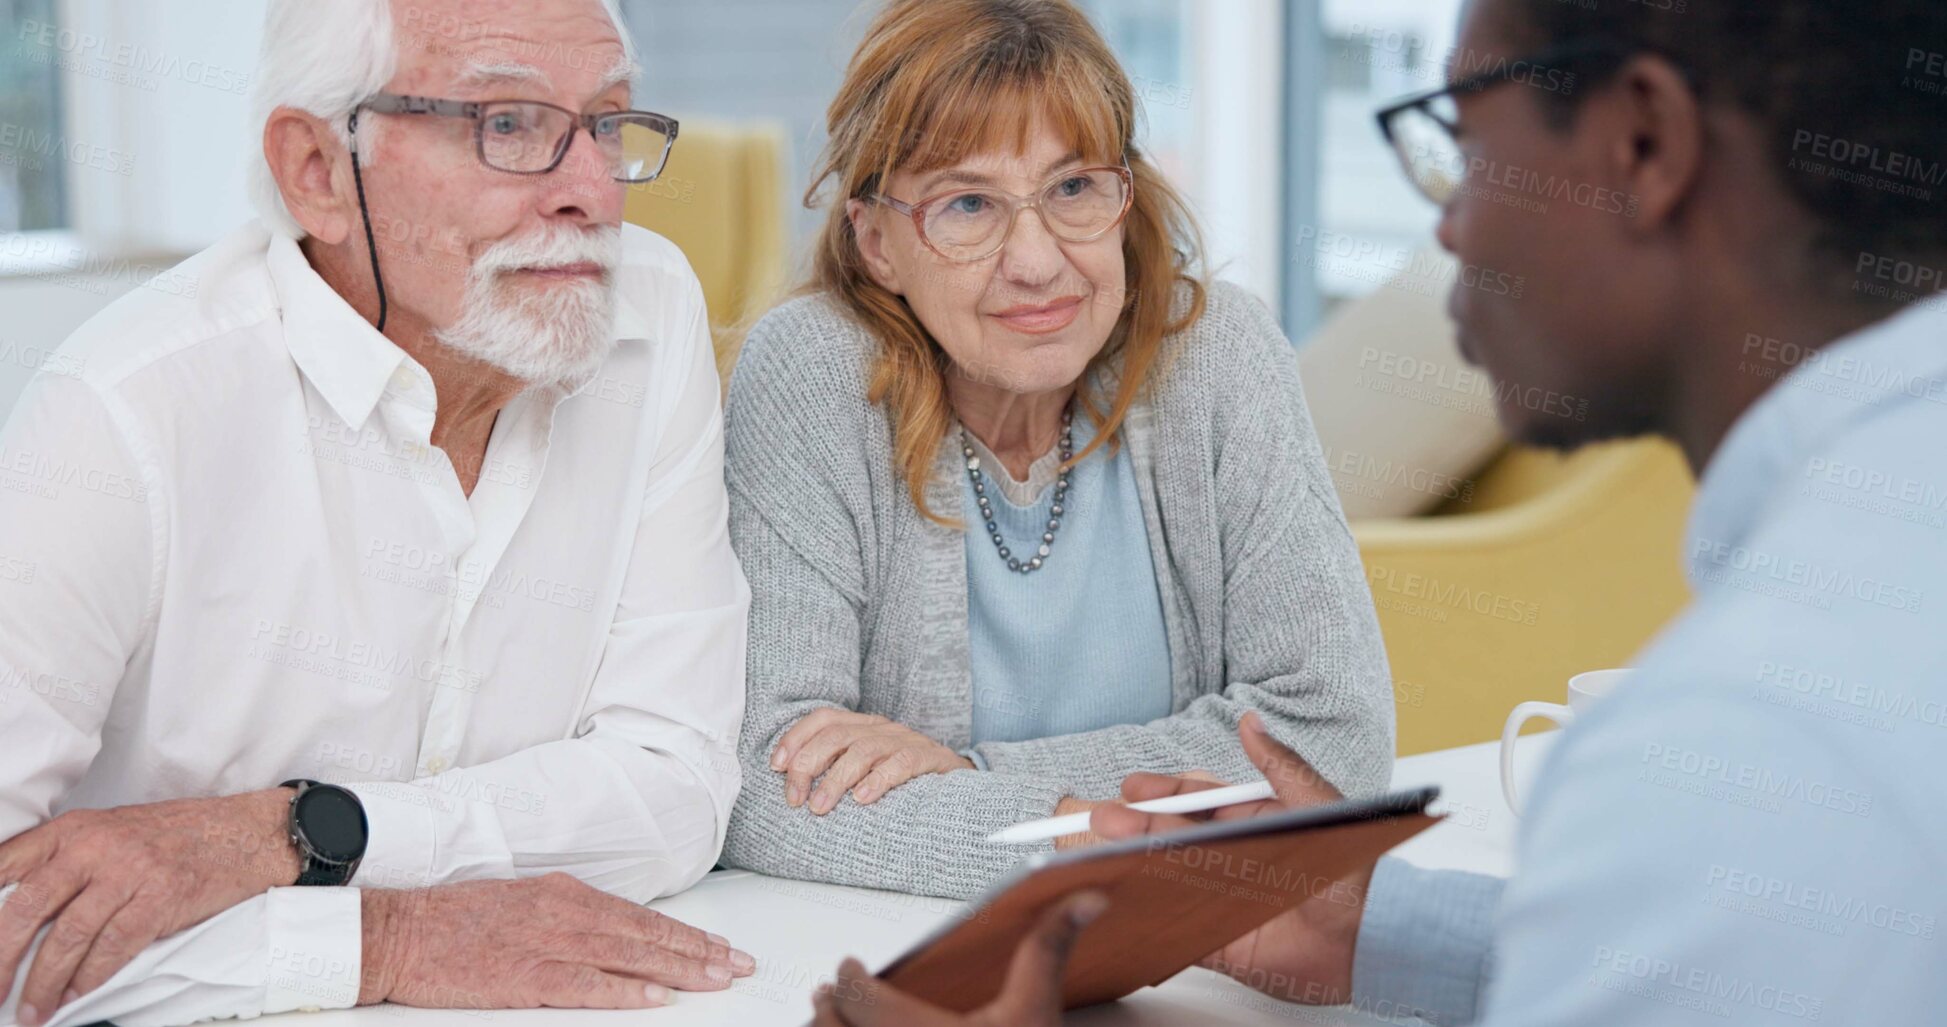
pixel 1852 93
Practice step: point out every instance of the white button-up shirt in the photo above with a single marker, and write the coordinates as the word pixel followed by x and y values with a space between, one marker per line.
pixel 230 555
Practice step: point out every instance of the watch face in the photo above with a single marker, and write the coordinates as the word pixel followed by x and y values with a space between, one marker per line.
pixel 333 823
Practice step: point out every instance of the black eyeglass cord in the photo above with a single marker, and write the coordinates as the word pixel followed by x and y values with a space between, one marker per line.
pixel 371 244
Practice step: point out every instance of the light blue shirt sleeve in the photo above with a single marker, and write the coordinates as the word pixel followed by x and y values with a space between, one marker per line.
pixel 1685 866
pixel 1424 944
pixel 1688 859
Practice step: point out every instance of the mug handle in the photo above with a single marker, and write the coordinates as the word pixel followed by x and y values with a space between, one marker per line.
pixel 1561 715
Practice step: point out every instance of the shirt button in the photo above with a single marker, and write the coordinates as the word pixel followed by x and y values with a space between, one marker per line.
pixel 403 380
pixel 437 765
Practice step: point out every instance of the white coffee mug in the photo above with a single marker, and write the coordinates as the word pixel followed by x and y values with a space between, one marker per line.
pixel 1583 690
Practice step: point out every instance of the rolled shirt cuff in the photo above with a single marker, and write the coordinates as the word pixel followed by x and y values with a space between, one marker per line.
pixel 1425 943
pixel 315 950
pixel 401 825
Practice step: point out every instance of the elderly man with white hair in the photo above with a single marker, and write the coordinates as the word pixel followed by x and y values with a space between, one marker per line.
pixel 380 638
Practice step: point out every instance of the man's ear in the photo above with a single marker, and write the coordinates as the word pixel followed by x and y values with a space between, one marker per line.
pixel 305 158
pixel 1656 138
pixel 872 246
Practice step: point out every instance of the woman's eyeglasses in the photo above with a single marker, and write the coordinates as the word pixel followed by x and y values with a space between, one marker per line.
pixel 527 137
pixel 974 224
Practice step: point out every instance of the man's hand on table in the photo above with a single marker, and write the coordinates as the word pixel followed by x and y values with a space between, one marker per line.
pixel 1030 998
pixel 112 881
pixel 1302 956
pixel 548 941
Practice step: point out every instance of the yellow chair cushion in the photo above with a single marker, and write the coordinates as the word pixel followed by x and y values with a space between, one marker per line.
pixel 721 201
pixel 1569 563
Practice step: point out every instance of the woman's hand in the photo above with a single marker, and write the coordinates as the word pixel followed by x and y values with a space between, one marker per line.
pixel 864 754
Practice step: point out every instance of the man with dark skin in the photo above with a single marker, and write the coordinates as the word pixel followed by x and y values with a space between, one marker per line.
pixel 1728 838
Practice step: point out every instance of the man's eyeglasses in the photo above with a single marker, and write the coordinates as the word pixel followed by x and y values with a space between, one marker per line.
pixel 974 224
pixel 1423 129
pixel 527 137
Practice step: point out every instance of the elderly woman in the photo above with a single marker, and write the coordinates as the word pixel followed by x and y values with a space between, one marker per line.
pixel 1024 506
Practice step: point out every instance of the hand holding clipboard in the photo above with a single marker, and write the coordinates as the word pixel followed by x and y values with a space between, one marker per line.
pixel 1264 891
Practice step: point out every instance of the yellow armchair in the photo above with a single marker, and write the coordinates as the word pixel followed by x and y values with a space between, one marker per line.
pixel 721 201
pixel 1560 564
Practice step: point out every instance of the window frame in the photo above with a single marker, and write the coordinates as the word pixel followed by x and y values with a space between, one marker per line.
pixel 33 252
pixel 1306 81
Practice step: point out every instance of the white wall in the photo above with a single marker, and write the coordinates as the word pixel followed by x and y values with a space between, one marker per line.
pixel 163 89
pixel 155 111
pixel 1238 155
pixel 40 312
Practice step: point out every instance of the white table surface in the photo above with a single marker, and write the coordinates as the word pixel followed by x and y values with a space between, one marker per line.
pixel 799 931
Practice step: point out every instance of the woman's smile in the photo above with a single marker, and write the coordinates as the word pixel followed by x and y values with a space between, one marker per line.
pixel 1041 318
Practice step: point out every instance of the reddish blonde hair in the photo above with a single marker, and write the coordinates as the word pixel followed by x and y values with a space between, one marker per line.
pixel 937 81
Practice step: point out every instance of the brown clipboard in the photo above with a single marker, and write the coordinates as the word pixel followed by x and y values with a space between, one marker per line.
pixel 1173 899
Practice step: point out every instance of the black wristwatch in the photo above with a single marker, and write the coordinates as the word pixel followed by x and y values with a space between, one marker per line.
pixel 328 828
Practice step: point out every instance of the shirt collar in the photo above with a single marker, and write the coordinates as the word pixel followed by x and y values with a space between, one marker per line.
pixel 343 356
pixel 629 324
pixel 1898 360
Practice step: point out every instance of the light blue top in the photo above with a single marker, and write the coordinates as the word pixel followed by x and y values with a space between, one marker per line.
pixel 1751 830
pixel 1080 644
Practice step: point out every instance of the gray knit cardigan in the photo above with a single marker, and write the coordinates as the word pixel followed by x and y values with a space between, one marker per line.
pixel 859 602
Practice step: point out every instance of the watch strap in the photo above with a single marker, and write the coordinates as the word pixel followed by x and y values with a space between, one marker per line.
pixel 317 873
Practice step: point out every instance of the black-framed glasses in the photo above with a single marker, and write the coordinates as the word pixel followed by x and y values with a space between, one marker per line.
pixel 973 224
pixel 528 137
pixel 1423 129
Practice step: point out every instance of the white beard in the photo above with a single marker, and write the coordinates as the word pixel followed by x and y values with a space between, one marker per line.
pixel 541 335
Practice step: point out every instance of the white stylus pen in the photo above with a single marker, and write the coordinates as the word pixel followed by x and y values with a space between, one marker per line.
pixel 1193 802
